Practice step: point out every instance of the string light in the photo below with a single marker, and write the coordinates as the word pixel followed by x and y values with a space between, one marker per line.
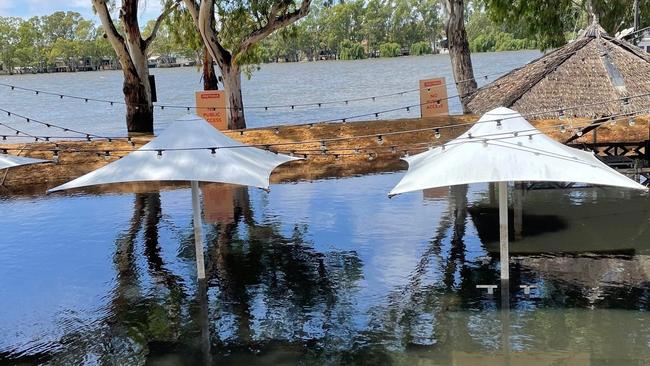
pixel 599 121
pixel 159 154
pixel 437 133
pixel 499 124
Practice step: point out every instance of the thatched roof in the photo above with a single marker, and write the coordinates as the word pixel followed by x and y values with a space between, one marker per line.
pixel 591 69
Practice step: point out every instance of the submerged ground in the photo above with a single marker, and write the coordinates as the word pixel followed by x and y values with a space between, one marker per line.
pixel 324 272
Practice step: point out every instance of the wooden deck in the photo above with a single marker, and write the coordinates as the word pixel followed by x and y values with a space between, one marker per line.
pixel 344 158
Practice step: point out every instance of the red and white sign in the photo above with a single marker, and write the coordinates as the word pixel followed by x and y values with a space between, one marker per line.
pixel 433 98
pixel 211 105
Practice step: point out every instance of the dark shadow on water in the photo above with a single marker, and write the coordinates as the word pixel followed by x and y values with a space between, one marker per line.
pixel 486 221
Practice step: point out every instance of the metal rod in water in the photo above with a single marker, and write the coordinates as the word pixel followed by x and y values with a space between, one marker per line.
pixel 503 230
pixel 198 234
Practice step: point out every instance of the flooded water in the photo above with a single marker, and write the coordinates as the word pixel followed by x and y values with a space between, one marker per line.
pixel 273 84
pixel 324 273
pixel 329 272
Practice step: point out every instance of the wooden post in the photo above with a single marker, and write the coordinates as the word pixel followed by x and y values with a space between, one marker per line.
pixel 503 230
pixel 198 233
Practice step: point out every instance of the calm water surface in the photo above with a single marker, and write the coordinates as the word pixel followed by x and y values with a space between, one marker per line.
pixel 325 272
pixel 273 84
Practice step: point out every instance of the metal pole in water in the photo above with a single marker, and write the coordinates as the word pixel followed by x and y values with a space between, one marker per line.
pixel 503 230
pixel 198 233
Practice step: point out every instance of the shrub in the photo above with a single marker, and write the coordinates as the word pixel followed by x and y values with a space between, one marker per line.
pixel 390 49
pixel 420 48
pixel 351 51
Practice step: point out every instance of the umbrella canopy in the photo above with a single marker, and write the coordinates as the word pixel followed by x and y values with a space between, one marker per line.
pixel 501 147
pixel 504 147
pixel 188 150
pixel 9 161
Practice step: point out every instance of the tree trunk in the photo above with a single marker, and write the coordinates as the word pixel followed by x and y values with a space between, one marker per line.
pixel 139 108
pixel 232 85
pixel 131 51
pixel 458 44
pixel 210 80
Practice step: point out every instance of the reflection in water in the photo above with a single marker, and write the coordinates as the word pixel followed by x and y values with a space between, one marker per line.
pixel 289 287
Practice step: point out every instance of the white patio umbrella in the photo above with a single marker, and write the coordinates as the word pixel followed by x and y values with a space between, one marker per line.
pixel 189 150
pixel 10 161
pixel 503 147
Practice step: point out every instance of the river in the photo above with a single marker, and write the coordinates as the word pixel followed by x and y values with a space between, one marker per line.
pixel 323 272
pixel 272 84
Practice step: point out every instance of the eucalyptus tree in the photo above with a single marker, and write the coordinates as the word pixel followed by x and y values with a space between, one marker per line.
pixel 458 44
pixel 131 49
pixel 549 21
pixel 232 29
pixel 9 40
pixel 183 31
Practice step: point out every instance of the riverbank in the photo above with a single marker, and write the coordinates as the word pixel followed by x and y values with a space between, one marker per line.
pixel 346 157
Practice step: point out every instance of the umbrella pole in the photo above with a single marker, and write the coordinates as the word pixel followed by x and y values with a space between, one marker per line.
pixel 503 231
pixel 198 234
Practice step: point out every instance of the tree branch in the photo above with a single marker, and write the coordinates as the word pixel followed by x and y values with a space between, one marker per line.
pixel 159 21
pixel 275 22
pixel 114 37
pixel 209 34
pixel 193 8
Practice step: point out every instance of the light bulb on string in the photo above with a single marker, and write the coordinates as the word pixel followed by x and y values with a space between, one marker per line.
pixel 380 139
pixel 55 156
pixel 159 154
pixel 213 152
pixel 499 125
pixel 437 133
pixel 631 121
pixel 562 129
pixel 579 133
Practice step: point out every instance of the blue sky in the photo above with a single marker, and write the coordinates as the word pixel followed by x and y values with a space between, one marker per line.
pixel 28 8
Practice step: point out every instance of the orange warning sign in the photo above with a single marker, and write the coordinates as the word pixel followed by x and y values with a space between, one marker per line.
pixel 211 105
pixel 433 97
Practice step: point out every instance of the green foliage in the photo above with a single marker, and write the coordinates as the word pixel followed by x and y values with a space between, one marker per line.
pixel 420 48
pixel 486 36
pixel 390 49
pixel 351 51
pixel 347 29
pixel 59 39
pixel 549 21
